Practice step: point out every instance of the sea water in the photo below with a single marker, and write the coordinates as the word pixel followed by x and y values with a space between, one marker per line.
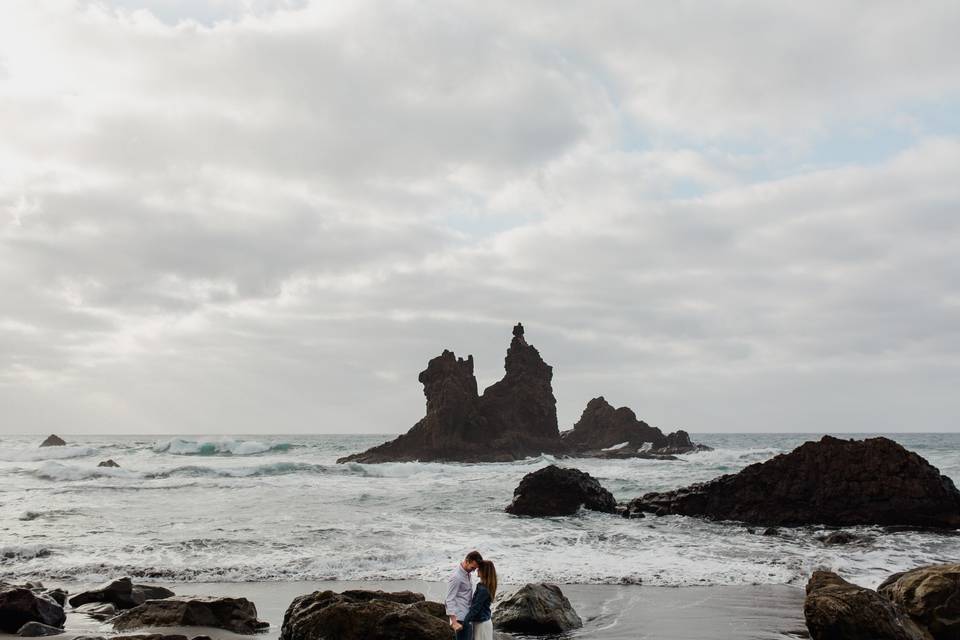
pixel 265 508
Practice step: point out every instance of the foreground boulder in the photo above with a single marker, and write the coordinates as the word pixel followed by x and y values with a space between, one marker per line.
pixel 832 482
pixel 536 609
pixel 121 593
pixel 233 614
pixel 37 630
pixel 603 431
pixel 553 491
pixel 930 596
pixel 364 615
pixel 838 610
pixel 19 605
pixel 53 441
pixel 513 419
pixel 97 610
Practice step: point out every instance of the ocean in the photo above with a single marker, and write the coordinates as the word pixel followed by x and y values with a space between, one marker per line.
pixel 278 508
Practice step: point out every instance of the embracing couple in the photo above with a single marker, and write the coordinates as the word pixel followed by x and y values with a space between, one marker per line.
pixel 469 610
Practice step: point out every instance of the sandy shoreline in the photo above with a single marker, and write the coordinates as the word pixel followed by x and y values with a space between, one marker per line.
pixel 610 612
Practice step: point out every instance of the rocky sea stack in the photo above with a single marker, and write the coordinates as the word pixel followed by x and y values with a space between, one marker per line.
pixel 832 482
pixel 513 419
pixel 601 428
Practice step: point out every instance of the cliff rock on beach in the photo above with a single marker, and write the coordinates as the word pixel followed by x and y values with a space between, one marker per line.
pixel 364 615
pixel 602 427
pixel 832 482
pixel 920 604
pixel 513 419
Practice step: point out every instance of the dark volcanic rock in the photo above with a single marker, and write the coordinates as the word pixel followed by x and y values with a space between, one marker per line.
pixel 233 614
pixel 53 441
pixel 536 609
pixel 930 596
pixel 117 592
pixel 513 419
pixel 18 606
pixel 843 537
pixel 364 615
pixel 143 592
pixel 97 610
pixel 37 629
pixel 837 610
pixel 601 427
pixel 833 482
pixel 553 491
pixel 108 463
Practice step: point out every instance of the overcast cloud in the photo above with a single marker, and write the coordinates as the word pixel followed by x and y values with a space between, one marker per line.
pixel 244 216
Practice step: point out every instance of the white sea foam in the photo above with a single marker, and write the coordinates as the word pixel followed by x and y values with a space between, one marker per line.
pixel 217 446
pixel 242 512
pixel 18 454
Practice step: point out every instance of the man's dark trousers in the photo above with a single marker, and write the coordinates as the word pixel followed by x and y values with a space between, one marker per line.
pixel 466 633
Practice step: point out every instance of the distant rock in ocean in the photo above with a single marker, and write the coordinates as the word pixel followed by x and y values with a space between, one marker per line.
pixel 832 482
pixel 109 463
pixel 553 491
pixel 53 441
pixel 513 419
pixel 603 431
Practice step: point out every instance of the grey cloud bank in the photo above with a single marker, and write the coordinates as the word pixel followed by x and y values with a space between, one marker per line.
pixel 266 217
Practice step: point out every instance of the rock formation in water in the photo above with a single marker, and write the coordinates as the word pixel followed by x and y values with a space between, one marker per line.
pixel 553 491
pixel 109 463
pixel 602 427
pixel 832 482
pixel 513 419
pixel 364 615
pixel 53 441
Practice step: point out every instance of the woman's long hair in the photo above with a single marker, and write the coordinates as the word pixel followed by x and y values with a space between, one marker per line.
pixel 488 576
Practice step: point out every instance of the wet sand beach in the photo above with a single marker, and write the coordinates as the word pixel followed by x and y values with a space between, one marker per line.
pixel 609 612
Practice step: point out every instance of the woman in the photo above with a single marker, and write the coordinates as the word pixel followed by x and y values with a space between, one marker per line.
pixel 486 591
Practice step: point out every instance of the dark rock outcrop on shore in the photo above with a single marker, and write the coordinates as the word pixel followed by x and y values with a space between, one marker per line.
pixel 553 491
pixel 536 609
pixel 233 614
pixel 838 610
pixel 53 441
pixel 930 596
pixel 97 610
pixel 38 630
pixel 832 482
pixel 109 463
pixel 19 605
pixel 601 426
pixel 513 419
pixel 121 593
pixel 364 615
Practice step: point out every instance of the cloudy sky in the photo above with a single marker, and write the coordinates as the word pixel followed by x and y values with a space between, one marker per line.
pixel 245 216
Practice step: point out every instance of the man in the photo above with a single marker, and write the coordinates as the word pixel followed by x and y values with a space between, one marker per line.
pixel 459 593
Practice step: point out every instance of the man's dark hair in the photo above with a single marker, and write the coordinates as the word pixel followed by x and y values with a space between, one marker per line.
pixel 474 556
